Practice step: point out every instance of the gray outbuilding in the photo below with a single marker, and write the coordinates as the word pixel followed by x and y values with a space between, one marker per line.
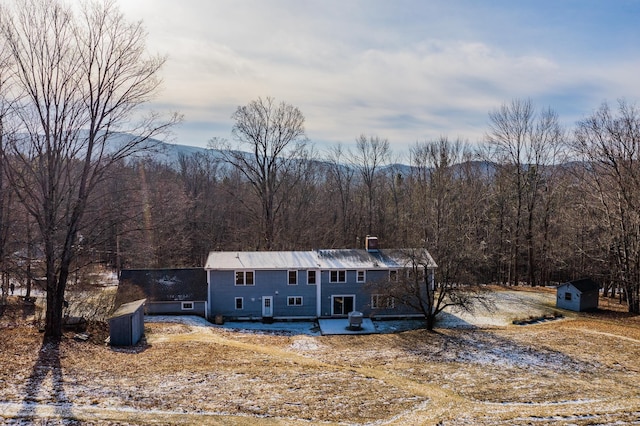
pixel 126 325
pixel 578 295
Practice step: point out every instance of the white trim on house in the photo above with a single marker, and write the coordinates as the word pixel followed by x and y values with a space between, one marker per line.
pixel 290 273
pixel 315 276
pixel 295 299
pixel 245 274
pixel 376 300
pixel 340 276
pixel 267 311
pixel 318 293
pixel 333 296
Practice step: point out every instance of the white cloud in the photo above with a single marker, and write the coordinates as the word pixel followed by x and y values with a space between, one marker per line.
pixel 407 72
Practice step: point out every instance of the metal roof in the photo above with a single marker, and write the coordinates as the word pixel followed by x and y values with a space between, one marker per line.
pixel 261 260
pixel 318 259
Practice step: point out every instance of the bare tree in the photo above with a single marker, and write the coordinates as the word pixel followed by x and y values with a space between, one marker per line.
pixel 369 155
pixel 415 286
pixel 278 150
pixel 340 186
pixel 449 195
pixel 199 174
pixel 609 142
pixel 526 144
pixel 6 193
pixel 78 79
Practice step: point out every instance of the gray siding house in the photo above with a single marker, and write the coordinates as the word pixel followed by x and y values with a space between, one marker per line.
pixel 305 284
pixel 578 295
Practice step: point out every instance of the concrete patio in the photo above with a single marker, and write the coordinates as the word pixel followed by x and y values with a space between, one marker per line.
pixel 341 326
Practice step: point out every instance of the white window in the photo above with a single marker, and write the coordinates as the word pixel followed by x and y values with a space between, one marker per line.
pixel 293 277
pixel 311 277
pixel 360 276
pixel 239 303
pixel 187 306
pixel 244 278
pixel 380 301
pixel 393 275
pixel 294 301
pixel 338 276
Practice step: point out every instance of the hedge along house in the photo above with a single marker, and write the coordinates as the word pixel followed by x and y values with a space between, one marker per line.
pixel 578 295
pixel 168 291
pixel 305 284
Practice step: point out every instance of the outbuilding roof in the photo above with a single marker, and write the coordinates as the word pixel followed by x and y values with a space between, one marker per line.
pixel 128 308
pixel 318 259
pixel 584 285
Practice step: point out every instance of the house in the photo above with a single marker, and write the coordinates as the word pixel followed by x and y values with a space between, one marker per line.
pixel 167 291
pixel 279 285
pixel 285 285
pixel 578 295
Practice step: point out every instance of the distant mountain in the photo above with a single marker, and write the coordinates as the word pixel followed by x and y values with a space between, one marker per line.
pixel 168 153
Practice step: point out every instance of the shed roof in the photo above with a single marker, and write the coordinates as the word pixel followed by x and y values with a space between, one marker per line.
pixel 128 308
pixel 323 259
pixel 584 285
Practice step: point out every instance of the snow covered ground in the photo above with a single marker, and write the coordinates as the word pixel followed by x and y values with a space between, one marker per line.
pixel 506 306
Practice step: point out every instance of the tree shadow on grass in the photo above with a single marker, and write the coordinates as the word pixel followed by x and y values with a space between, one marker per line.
pixel 36 391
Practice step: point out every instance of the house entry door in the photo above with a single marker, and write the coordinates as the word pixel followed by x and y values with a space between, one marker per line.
pixel 342 305
pixel 267 306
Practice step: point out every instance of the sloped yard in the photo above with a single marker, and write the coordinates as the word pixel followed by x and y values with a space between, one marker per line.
pixel 582 369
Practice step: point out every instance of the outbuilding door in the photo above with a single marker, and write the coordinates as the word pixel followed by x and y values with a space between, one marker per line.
pixel 342 304
pixel 267 306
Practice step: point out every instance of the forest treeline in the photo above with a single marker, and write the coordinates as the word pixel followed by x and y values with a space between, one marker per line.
pixel 534 204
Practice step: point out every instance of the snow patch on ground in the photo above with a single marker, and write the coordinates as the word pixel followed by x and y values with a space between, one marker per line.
pixel 506 306
pixel 304 344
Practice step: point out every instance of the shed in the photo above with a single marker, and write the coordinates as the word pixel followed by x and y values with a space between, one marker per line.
pixel 578 295
pixel 126 325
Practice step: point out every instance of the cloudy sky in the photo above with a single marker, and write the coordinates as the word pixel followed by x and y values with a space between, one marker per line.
pixel 405 70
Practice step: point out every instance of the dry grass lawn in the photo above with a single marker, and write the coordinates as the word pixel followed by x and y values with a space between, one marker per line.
pixel 584 369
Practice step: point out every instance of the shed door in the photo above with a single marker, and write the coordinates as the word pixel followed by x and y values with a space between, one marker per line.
pixel 267 306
